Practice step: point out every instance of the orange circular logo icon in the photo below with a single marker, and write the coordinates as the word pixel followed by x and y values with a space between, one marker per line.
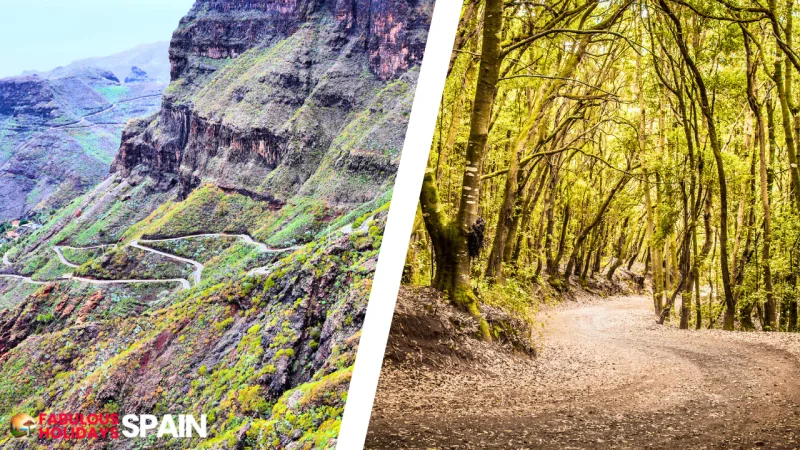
pixel 22 425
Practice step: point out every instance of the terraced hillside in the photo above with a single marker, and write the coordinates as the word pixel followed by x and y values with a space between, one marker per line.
pixel 224 267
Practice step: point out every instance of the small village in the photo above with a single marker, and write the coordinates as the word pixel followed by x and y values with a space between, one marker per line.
pixel 12 230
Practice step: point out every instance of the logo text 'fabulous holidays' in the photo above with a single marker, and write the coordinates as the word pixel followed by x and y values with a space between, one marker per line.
pixel 108 426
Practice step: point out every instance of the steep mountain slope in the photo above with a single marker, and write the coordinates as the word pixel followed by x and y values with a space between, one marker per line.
pixel 266 118
pixel 58 135
pixel 283 122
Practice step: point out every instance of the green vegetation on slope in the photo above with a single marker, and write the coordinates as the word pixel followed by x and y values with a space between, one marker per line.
pixel 279 347
pixel 201 249
pixel 133 263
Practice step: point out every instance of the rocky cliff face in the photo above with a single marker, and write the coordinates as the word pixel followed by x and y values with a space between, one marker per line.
pixel 391 32
pixel 27 96
pixel 262 89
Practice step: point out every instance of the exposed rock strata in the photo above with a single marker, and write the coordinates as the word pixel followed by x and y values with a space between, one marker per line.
pixel 262 89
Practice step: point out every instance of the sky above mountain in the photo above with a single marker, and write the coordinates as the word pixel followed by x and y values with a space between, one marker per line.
pixel 45 34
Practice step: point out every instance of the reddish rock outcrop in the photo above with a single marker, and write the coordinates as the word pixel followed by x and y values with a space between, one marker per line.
pixel 283 108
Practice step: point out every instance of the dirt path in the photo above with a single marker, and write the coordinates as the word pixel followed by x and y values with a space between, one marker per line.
pixel 198 267
pixel 607 377
pixel 62 258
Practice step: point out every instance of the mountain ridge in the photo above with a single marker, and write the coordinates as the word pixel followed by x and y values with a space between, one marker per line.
pixel 152 58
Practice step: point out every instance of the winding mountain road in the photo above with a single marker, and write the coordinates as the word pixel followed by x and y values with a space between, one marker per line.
pixel 184 282
pixel 22 145
pixel 247 239
pixel 198 273
pixel 23 278
pixel 608 377
pixel 348 229
pixel 198 267
pixel 137 243
pixel 61 258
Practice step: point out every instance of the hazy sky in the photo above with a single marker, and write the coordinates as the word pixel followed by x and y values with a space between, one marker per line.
pixel 45 34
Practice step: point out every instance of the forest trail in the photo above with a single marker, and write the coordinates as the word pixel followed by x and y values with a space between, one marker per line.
pixel 607 377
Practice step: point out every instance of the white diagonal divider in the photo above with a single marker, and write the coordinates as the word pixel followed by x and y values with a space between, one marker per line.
pixel 386 285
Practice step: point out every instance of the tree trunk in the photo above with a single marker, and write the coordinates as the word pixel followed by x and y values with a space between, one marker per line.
pixel 791 325
pixel 537 247
pixel 577 271
pixel 686 271
pixel 651 216
pixel 619 250
pixel 550 213
pixel 494 269
pixel 451 240
pixel 655 251
pixel 587 264
pixel 716 147
pixel 598 255
pixel 783 83
pixel 634 254
pixel 787 122
pixel 770 306
pixel 596 221
pixel 563 237
pixel 530 205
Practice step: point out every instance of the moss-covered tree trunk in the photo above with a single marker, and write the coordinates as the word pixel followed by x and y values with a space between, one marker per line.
pixel 451 239
pixel 459 285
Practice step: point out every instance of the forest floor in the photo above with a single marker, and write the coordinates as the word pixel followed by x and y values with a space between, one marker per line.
pixel 607 376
